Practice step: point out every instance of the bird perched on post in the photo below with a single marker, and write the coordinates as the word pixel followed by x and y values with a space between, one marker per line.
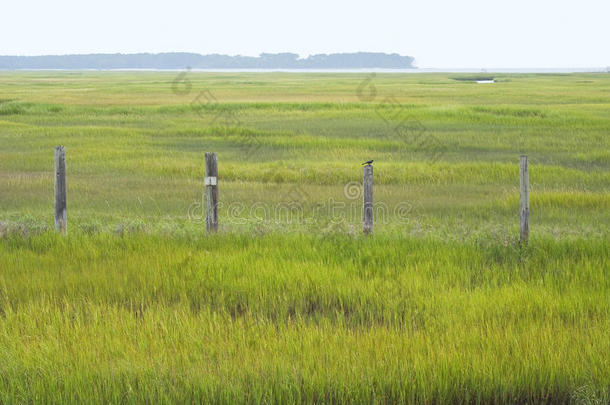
pixel 368 162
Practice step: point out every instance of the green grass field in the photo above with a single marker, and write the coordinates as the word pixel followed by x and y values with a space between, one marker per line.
pixel 441 305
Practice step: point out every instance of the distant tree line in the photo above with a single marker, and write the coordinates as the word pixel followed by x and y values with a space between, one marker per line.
pixel 177 60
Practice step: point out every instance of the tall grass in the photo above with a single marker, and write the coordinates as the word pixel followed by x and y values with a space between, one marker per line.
pixel 441 306
pixel 279 318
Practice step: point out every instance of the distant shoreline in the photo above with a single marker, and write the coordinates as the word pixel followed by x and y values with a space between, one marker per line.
pixel 180 60
pixel 345 70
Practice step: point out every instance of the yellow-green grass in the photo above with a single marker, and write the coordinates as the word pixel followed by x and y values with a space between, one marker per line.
pixel 289 303
pixel 288 318
pixel 135 143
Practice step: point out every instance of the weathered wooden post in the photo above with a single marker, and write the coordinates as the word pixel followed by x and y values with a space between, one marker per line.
pixel 524 200
pixel 211 192
pixel 61 222
pixel 367 199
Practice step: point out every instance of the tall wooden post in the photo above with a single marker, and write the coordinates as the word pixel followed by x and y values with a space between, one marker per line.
pixel 524 200
pixel 61 222
pixel 367 199
pixel 211 192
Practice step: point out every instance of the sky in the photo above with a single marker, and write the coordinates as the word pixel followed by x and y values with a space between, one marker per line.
pixel 438 33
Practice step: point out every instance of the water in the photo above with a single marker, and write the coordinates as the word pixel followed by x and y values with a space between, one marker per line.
pixel 369 70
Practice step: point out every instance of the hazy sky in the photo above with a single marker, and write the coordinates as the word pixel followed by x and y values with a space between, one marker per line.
pixel 438 33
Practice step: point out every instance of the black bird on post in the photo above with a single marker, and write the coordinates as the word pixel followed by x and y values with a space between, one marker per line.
pixel 368 162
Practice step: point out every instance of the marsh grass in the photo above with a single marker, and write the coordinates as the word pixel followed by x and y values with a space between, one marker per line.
pixel 99 318
pixel 443 305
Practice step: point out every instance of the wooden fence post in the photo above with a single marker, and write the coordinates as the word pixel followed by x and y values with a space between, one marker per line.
pixel 61 222
pixel 211 192
pixel 524 200
pixel 367 199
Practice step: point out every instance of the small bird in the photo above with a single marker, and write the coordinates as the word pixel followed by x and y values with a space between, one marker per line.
pixel 368 162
